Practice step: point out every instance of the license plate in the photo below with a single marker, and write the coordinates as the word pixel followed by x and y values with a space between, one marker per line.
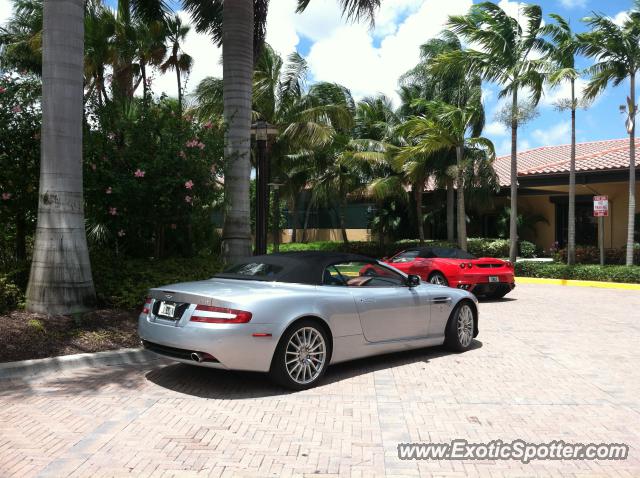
pixel 494 279
pixel 167 309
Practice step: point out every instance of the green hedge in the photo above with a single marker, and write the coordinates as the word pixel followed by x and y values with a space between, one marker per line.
pixel 481 247
pixel 591 255
pixel 123 282
pixel 579 272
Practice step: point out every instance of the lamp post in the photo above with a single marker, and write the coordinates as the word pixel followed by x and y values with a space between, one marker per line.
pixel 262 132
pixel 275 184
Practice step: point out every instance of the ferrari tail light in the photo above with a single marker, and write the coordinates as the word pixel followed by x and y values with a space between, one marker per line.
pixel 146 307
pixel 210 314
pixel 463 265
pixel 509 264
pixel 469 265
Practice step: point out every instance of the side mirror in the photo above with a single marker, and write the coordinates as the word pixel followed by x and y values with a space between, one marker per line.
pixel 413 280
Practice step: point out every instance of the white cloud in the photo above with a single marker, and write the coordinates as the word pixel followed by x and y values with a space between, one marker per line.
pixel 562 92
pixel 6 9
pixel 495 128
pixel 504 147
pixel 348 54
pixel 574 3
pixel 206 62
pixel 559 133
pixel 621 17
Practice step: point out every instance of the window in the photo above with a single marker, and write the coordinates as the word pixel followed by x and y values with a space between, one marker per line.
pixel 254 269
pixel 451 253
pixel 406 256
pixel 362 274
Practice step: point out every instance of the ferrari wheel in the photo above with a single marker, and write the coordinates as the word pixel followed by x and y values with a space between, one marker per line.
pixel 301 357
pixel 460 328
pixel 438 278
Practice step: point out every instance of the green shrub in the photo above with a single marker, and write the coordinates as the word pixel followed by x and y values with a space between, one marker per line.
pixel 11 297
pixel 123 282
pixel 477 246
pixel 579 272
pixel 591 255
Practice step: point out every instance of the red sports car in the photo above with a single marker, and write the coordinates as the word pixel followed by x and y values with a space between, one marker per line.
pixel 486 276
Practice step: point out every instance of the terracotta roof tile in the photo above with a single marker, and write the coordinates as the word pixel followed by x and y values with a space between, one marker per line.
pixel 593 156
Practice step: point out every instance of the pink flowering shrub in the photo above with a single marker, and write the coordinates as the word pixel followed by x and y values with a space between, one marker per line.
pixel 20 119
pixel 158 173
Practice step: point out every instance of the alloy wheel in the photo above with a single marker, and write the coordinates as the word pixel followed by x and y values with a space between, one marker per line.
pixel 305 355
pixel 465 325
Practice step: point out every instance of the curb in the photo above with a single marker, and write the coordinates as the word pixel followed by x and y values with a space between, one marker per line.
pixel 38 367
pixel 578 283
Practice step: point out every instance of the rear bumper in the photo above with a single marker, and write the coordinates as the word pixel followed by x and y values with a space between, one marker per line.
pixel 492 288
pixel 232 345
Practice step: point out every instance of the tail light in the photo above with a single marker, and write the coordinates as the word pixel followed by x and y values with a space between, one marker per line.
pixel 146 308
pixel 220 315
pixel 509 264
pixel 462 265
pixel 469 265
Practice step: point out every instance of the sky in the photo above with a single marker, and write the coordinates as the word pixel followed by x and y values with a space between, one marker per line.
pixel 369 61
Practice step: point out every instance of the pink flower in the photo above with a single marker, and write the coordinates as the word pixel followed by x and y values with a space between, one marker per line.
pixel 201 145
pixel 174 226
pixel 139 173
pixel 111 136
pixel 208 125
pixel 17 109
pixel 2 89
pixel 121 233
pixel 182 154
pixel 113 211
pixel 108 190
pixel 188 199
pixel 6 196
pixel 93 166
pixel 189 184
pixel 213 169
pixel 194 143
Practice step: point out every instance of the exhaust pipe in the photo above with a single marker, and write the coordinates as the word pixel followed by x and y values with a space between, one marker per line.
pixel 196 357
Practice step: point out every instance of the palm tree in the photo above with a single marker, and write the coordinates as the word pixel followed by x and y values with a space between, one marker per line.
pixel 151 50
pixel 561 53
pixel 617 52
pixel 177 60
pixel 504 55
pixel 446 127
pixel 60 280
pixel 240 27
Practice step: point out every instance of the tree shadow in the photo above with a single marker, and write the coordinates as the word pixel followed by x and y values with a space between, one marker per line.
pixel 224 384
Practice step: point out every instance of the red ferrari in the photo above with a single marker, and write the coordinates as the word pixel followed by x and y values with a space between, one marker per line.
pixel 486 276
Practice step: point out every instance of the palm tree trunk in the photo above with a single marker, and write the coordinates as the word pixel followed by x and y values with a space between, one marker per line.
pixel 60 280
pixel 513 220
pixel 143 72
pixel 417 194
pixel 632 174
pixel 179 89
pixel 462 217
pixel 237 68
pixel 571 246
pixel 307 213
pixel 450 211
pixel 342 206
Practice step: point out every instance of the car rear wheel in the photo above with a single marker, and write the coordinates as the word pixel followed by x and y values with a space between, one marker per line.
pixel 460 328
pixel 302 356
pixel 439 279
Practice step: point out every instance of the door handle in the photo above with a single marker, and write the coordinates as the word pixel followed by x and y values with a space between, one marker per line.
pixel 367 300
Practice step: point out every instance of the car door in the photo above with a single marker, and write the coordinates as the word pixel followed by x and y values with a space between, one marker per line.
pixel 388 309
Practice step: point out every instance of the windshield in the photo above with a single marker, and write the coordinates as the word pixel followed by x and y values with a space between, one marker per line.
pixel 406 256
pixel 451 253
pixel 253 269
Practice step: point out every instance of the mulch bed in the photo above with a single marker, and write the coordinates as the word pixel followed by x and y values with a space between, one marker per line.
pixel 26 336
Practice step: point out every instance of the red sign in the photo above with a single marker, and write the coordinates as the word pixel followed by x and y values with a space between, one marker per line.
pixel 600 206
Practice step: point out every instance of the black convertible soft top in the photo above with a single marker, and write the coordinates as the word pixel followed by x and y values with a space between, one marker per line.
pixel 305 267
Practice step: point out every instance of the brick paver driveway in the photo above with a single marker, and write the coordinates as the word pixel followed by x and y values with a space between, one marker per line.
pixel 551 363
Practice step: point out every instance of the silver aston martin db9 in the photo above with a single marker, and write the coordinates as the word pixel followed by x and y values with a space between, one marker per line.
pixel 293 314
